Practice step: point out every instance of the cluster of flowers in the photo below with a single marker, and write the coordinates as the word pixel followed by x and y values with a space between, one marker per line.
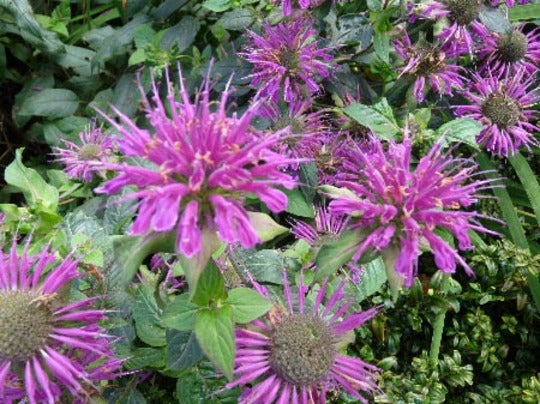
pixel 500 91
pixel 198 167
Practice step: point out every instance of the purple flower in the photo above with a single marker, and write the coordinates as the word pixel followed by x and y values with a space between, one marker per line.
pixel 198 167
pixel 80 160
pixel 512 51
pixel 401 207
pixel 287 5
pixel 48 347
pixel 462 15
pixel 428 65
pixel 292 356
pixel 287 60
pixel 504 105
pixel 307 131
pixel 326 227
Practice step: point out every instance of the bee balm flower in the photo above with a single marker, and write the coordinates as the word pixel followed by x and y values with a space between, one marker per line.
pixel 199 166
pixel 402 207
pixel 505 106
pixel 292 356
pixel 48 348
pixel 287 61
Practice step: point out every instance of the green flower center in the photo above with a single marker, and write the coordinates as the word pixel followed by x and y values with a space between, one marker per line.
pixel 463 11
pixel 303 349
pixel 90 151
pixel 512 47
pixel 431 61
pixel 26 321
pixel 290 59
pixel 502 110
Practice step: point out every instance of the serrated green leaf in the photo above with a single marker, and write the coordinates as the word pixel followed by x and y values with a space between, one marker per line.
pixel 30 183
pixel 215 333
pixel 147 316
pixel 146 357
pixel 180 314
pixel 334 255
pixel 247 305
pixel 372 279
pixel 211 286
pixel 236 20
pixel 372 119
pixel 217 5
pixel 461 130
pixel 298 205
pixel 183 350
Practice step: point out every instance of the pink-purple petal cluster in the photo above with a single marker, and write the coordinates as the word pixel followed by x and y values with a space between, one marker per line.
pixel 429 66
pixel 404 207
pixel 307 132
pixel 200 165
pixel 80 159
pixel 272 353
pixel 509 52
pixel 464 25
pixel 287 61
pixel 49 348
pixel 505 106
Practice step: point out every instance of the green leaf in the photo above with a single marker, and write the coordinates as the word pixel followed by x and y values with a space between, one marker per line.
pixel 524 12
pixel 29 28
pixel 373 119
pixel 143 36
pixel 528 179
pixel 211 286
pixel 180 314
pixel 193 267
pixel 183 350
pixel 264 265
pixel 183 34
pixel 265 226
pixel 461 130
pixel 50 102
pixel 334 255
pixel 30 183
pixel 215 333
pixel 147 316
pixel 217 5
pixel 236 20
pixel 247 305
pixel 146 357
pixel 372 279
pixel 381 42
pixel 298 205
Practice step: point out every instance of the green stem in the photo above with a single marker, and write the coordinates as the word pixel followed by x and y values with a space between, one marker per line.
pixel 438 325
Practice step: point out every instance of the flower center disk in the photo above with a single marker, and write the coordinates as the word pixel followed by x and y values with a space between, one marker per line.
pixel 303 349
pixel 464 11
pixel 26 321
pixel 512 47
pixel 90 151
pixel 502 110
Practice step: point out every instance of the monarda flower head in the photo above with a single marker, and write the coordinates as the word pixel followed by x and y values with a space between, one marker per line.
pixel 429 66
pixel 306 133
pixel 199 165
pixel 326 227
pixel 464 24
pixel 504 105
pixel 509 52
pixel 401 208
pixel 80 159
pixel 49 348
pixel 293 355
pixel 288 61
